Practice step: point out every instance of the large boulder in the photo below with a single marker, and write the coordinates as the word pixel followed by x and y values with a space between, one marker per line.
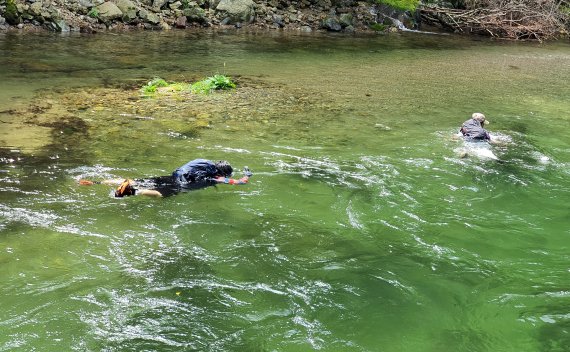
pixel 236 11
pixel 36 8
pixel 62 26
pixel 158 4
pixel 149 17
pixel 128 8
pixel 108 12
pixel 181 22
pixel 332 24
pixel 346 20
pixel 195 14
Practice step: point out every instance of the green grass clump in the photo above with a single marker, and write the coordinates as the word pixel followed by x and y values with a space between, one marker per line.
pixel 151 86
pixel 215 82
pixel 11 13
pixel 378 27
pixel 93 13
pixel 406 5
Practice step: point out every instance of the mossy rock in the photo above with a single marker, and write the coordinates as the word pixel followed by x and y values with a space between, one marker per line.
pixel 195 14
pixel 12 16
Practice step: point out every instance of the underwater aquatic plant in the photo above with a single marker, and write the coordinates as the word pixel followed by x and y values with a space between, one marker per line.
pixel 151 86
pixel 215 82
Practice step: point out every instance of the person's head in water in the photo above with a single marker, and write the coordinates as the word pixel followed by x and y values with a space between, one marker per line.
pixel 477 116
pixel 224 168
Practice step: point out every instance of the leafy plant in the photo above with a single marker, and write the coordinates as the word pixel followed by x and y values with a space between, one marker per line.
pixel 11 13
pixel 151 86
pixel 93 13
pixel 201 87
pixel 215 82
pixel 406 5
pixel 379 27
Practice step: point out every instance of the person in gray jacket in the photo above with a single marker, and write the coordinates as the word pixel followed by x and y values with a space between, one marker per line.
pixel 472 129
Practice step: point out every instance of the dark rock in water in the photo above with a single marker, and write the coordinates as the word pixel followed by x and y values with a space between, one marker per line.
pixel 332 24
pixel 181 22
pixel 346 20
pixel 87 29
pixel 278 20
pixel 62 26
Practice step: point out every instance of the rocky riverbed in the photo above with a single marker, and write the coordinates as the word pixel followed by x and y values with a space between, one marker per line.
pixel 99 15
pixel 72 116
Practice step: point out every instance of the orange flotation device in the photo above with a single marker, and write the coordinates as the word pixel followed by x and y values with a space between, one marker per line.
pixel 125 189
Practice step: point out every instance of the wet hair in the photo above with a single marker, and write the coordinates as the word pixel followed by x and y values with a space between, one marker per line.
pixel 224 168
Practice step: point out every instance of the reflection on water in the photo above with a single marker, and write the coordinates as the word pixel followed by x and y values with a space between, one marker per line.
pixel 360 225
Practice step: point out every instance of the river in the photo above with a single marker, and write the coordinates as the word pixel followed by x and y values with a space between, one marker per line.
pixel 362 228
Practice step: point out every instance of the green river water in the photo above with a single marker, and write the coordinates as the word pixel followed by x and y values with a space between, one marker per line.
pixel 361 229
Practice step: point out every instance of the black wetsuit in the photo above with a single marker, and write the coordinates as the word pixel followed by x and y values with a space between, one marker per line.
pixel 473 131
pixel 196 174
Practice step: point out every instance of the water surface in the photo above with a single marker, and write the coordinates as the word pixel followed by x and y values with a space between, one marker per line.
pixel 361 230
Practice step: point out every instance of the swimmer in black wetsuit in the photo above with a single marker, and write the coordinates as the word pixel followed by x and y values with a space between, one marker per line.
pixel 196 174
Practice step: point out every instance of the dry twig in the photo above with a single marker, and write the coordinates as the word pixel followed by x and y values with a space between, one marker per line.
pixel 519 21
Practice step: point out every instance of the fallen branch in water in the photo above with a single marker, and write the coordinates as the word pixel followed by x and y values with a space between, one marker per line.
pixel 518 21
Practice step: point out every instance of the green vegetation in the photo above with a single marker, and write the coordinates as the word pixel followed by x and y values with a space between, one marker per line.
pixel 406 5
pixel 11 13
pixel 215 82
pixel 93 13
pixel 206 86
pixel 379 27
pixel 179 86
pixel 151 86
